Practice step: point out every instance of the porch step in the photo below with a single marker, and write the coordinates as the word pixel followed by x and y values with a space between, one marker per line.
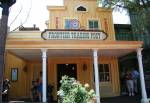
pixel 16 101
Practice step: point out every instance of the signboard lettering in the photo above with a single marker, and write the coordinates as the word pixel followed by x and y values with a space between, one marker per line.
pixel 74 35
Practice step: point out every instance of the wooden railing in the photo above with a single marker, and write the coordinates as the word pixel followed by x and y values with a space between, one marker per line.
pixel 135 37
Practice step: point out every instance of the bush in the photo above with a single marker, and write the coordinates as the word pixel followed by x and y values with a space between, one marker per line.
pixel 71 91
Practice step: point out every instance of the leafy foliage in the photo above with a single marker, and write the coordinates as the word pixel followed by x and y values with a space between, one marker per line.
pixel 139 11
pixel 133 5
pixel 72 91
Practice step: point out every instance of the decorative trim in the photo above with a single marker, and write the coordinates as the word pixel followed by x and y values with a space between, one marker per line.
pixel 56 8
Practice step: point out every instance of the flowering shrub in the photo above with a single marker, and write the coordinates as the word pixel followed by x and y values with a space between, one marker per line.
pixel 72 91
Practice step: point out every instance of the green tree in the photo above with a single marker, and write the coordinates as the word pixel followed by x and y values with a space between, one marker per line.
pixel 139 12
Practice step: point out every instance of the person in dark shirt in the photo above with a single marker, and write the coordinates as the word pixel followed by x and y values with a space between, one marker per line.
pixel 5 92
pixel 34 91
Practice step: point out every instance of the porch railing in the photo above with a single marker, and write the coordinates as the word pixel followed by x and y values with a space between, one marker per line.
pixel 135 37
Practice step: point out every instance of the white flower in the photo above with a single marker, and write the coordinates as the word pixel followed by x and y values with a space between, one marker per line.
pixel 60 93
pixel 76 83
pixel 86 85
pixel 92 91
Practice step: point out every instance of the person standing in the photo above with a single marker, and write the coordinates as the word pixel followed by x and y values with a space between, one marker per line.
pixel 129 82
pixel 123 83
pixel 40 90
pixel 5 92
pixel 135 75
pixel 40 87
pixel 34 91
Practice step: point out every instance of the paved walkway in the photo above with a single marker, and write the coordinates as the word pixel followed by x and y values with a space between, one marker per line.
pixel 119 99
pixel 122 99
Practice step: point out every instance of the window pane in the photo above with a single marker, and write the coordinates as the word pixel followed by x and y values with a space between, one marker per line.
pixel 106 68
pixel 96 24
pixel 81 8
pixel 90 24
pixel 101 77
pixel 67 24
pixel 107 78
pixel 101 70
pixel 93 24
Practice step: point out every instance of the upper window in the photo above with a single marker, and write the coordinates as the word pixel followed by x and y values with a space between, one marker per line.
pixel 104 73
pixel 81 8
pixel 71 24
pixel 93 24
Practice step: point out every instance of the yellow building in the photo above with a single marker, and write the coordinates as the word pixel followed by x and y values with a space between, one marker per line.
pixel 80 39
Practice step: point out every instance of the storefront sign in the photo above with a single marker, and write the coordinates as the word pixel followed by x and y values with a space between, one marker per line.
pixel 73 35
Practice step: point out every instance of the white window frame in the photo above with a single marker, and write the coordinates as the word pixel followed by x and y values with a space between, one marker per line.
pixel 110 75
pixel 105 72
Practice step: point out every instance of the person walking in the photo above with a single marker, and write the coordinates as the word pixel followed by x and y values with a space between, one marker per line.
pixel 129 83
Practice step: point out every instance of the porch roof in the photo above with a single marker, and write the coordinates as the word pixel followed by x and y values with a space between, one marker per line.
pixel 31 50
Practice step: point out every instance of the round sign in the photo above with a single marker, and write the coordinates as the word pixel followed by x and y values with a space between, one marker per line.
pixel 74 24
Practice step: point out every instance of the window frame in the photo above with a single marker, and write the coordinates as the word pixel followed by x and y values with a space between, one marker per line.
pixel 110 75
pixel 94 19
pixel 104 72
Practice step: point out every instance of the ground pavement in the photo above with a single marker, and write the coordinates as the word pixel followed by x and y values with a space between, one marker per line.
pixel 122 99
pixel 119 99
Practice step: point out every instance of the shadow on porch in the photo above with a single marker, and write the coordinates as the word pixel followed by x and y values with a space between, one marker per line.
pixel 122 99
pixel 119 99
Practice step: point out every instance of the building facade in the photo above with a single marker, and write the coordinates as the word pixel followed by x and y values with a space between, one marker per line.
pixel 79 42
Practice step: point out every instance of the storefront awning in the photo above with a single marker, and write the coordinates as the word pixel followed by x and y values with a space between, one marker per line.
pixel 31 50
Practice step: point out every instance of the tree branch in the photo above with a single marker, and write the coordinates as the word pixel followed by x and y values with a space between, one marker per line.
pixel 12 2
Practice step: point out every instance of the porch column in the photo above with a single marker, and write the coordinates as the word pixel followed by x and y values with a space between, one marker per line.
pixel 96 75
pixel 44 57
pixel 143 90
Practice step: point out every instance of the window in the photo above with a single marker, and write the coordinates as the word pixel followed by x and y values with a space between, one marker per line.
pixel 71 24
pixel 14 74
pixel 93 24
pixel 104 73
pixel 81 8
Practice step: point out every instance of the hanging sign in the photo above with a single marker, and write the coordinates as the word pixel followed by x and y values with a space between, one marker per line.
pixel 73 35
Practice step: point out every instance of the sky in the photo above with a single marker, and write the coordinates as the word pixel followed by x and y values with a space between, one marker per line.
pixel 30 12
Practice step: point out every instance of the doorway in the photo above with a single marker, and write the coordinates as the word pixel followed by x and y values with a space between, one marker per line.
pixel 66 69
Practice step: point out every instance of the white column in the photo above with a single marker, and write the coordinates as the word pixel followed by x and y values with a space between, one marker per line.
pixel 143 90
pixel 44 63
pixel 96 76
